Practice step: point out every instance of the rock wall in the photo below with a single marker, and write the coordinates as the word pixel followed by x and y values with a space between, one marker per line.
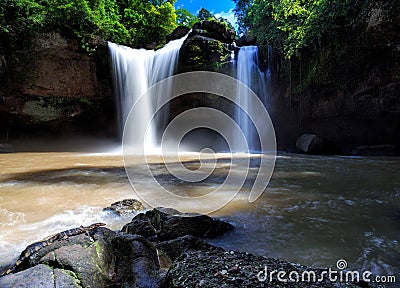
pixel 352 91
pixel 54 86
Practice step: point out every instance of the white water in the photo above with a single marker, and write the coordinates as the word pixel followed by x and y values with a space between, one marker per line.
pixel 249 73
pixel 134 72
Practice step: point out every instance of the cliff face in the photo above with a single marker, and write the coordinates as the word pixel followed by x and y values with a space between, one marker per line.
pixel 54 86
pixel 348 93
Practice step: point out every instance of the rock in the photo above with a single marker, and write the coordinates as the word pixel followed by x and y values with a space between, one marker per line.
pixel 38 276
pixel 246 40
pixel 178 33
pixel 140 227
pixel 200 226
pixel 6 148
pixel 137 262
pixel 53 86
pixel 176 247
pixel 313 144
pixel 376 150
pixel 175 225
pixel 125 207
pixel 220 268
pixel 202 53
pixel 102 259
pixel 309 143
pixel 217 30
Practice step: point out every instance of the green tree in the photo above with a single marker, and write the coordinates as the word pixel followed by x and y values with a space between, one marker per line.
pixel 204 14
pixel 292 25
pixel 134 22
pixel 148 22
pixel 185 18
pixel 241 10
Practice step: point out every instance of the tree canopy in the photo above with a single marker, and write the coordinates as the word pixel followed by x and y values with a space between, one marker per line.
pixel 294 24
pixel 204 14
pixel 133 22
pixel 185 18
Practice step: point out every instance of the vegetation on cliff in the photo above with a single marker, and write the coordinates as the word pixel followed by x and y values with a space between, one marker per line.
pixel 291 25
pixel 132 22
pixel 319 39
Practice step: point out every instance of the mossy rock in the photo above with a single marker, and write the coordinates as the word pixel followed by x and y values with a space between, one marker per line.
pixel 201 53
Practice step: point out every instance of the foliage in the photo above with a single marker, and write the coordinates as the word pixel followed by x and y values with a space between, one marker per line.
pixel 185 18
pixel 241 10
pixel 132 22
pixel 226 23
pixel 204 14
pixel 295 24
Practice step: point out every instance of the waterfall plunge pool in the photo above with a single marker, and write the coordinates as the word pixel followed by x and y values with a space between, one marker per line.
pixel 315 211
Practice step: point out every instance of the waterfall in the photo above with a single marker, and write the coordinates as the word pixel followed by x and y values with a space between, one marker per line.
pixel 134 72
pixel 249 73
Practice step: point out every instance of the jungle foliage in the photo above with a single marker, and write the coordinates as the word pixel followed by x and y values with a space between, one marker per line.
pixel 131 22
pixel 291 25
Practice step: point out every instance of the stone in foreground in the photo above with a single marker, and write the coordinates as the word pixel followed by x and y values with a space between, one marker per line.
pixel 162 224
pixel 125 207
pixel 219 268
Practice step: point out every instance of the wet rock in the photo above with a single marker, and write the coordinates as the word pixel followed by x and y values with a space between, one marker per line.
pixel 176 247
pixel 176 226
pixel 202 53
pixel 246 40
pixel 6 148
pixel 140 227
pixel 38 276
pixel 216 29
pixel 171 224
pixel 309 143
pixel 314 144
pixel 103 258
pixel 376 150
pixel 178 33
pixel 220 268
pixel 137 262
pixel 125 207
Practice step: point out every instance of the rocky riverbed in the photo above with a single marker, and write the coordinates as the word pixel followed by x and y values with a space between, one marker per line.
pixel 158 248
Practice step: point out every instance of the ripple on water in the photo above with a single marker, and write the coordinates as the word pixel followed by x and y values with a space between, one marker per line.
pixel 11 242
pixel 9 218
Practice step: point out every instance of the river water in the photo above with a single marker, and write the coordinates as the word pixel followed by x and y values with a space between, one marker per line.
pixel 315 211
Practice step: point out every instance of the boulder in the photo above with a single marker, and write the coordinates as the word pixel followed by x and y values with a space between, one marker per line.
pixel 38 276
pixel 246 40
pixel 309 143
pixel 125 207
pixel 6 148
pixel 137 263
pixel 200 53
pixel 376 150
pixel 103 258
pixel 140 227
pixel 219 268
pixel 176 247
pixel 170 224
pixel 216 29
pixel 314 144
pixel 178 33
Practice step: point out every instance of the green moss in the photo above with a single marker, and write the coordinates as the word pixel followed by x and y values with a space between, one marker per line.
pixel 201 53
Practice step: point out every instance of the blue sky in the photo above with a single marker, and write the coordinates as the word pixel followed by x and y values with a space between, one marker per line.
pixel 221 8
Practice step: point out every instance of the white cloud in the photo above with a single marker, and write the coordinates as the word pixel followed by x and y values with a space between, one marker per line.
pixel 230 15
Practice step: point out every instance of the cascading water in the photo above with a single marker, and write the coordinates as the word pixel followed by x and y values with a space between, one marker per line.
pixel 249 73
pixel 134 72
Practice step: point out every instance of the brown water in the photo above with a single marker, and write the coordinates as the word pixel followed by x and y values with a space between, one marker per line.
pixel 315 211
